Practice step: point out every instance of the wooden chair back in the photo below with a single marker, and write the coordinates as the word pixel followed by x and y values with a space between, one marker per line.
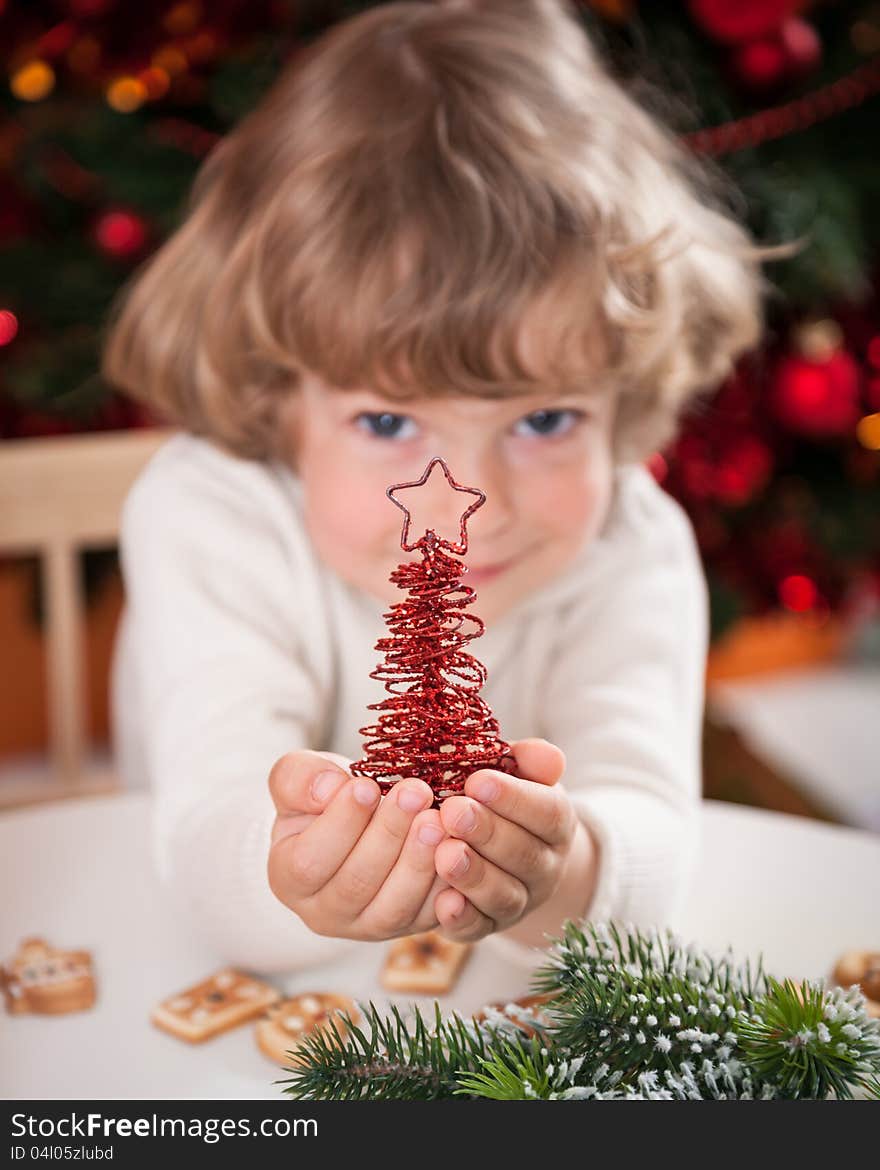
pixel 59 496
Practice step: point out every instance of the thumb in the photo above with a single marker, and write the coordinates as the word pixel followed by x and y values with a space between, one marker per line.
pixel 538 759
pixel 292 781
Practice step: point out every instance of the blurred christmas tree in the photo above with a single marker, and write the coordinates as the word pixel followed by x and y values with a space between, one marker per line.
pixel 109 109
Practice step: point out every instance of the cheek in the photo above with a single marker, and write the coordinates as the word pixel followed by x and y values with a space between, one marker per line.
pixel 573 501
pixel 345 520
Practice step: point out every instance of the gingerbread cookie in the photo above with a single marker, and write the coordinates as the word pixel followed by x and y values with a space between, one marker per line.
pixel 427 964
pixel 286 1023
pixel 213 1006
pixel 863 968
pixel 525 1012
pixel 47 981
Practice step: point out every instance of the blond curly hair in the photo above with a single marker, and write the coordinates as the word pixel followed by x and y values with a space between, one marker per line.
pixel 423 186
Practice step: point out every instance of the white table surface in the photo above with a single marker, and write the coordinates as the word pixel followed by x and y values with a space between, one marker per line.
pixel 79 873
pixel 818 727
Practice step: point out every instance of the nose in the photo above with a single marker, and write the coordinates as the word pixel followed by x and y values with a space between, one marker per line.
pixel 488 524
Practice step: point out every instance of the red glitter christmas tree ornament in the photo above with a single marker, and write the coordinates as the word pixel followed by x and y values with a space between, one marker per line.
pixel 434 724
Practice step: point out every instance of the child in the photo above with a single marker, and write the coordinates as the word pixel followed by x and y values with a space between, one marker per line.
pixel 444 231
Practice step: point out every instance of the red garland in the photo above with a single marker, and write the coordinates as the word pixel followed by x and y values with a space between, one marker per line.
pixel 434 725
pixel 779 121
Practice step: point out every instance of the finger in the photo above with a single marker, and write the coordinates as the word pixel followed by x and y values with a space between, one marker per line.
pixel 364 871
pixel 290 825
pixel 306 781
pixel 405 893
pixel 507 845
pixel 497 894
pixel 540 809
pixel 458 919
pixel 538 759
pixel 304 863
pixel 426 919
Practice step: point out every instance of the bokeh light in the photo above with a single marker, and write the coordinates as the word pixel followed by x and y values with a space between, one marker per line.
pixel 8 326
pixel 126 94
pixel 868 432
pixel 33 81
pixel 798 593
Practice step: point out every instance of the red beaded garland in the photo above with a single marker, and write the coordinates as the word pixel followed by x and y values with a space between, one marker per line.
pixel 779 121
pixel 434 724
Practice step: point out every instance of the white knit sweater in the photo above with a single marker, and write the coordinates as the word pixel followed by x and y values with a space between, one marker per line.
pixel 237 645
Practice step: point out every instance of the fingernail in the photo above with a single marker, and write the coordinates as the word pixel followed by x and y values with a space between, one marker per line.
pixel 365 792
pixel 461 905
pixel 461 866
pixel 485 788
pixel 466 821
pixel 325 784
pixel 430 835
pixel 411 799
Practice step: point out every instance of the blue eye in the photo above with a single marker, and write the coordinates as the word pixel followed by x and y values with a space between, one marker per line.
pixel 545 422
pixel 383 424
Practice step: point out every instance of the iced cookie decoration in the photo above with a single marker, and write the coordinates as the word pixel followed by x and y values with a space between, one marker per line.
pixel 287 1023
pixel 526 1013
pixel 427 964
pixel 46 981
pixel 213 1006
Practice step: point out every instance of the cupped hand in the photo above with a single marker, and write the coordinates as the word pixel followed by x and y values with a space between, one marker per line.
pixel 350 864
pixel 507 845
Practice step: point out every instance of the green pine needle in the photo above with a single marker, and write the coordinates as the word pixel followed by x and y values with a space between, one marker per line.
pixel 812 1042
pixel 513 1074
pixel 390 1060
pixel 631 1014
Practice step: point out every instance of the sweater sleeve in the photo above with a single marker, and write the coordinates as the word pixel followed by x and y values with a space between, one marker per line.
pixel 218 613
pixel 624 701
pixel 621 684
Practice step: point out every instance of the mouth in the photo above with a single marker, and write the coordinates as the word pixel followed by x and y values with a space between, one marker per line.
pixel 487 572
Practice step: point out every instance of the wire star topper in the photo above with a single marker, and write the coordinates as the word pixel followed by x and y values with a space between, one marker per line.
pixel 430 538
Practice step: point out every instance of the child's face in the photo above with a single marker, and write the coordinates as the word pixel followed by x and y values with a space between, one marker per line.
pixel 544 463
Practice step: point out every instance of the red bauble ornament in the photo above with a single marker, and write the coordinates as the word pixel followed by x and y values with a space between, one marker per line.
pixel 737 21
pixel 798 593
pixel 743 470
pixel 694 464
pixel 760 64
pixel 722 467
pixel 8 326
pixel 801 45
pixel 120 233
pixel 434 724
pixel 817 388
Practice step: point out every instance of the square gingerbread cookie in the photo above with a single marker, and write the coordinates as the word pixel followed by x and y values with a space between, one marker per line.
pixel 215 1005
